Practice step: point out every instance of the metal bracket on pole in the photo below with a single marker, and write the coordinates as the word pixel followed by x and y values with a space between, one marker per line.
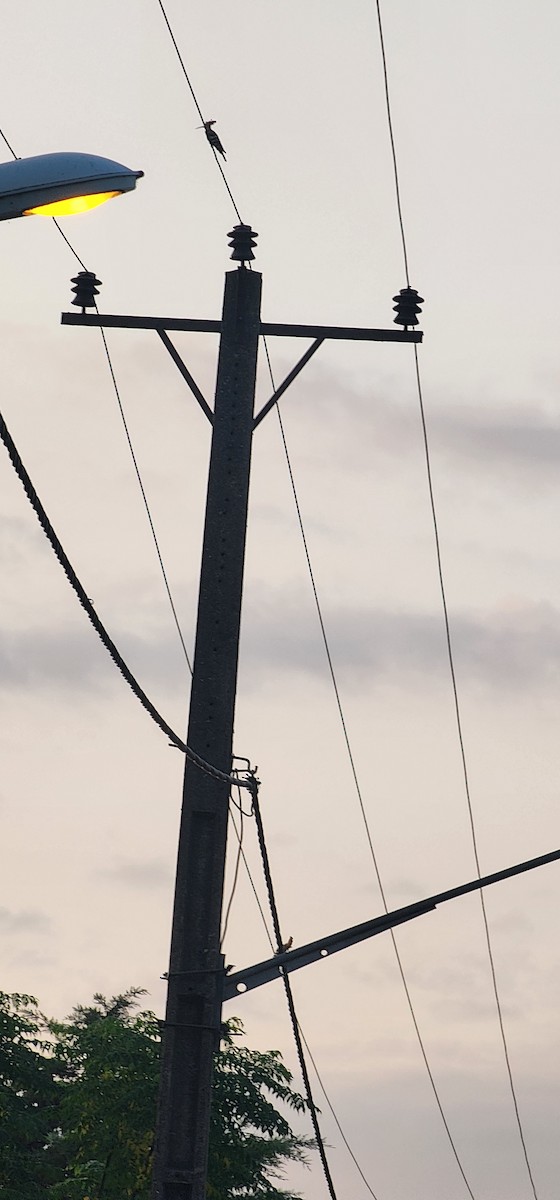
pixel 292 960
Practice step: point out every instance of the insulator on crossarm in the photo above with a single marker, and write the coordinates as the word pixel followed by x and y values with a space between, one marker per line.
pixel 242 239
pixel 407 305
pixel 86 289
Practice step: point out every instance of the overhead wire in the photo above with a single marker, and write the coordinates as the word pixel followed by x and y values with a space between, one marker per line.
pixel 466 782
pixel 304 1039
pixel 144 496
pixel 233 779
pixel 335 1117
pixel 198 108
pixel 392 140
pixel 353 769
pixel 290 999
pixel 128 438
pixel 54 220
pixel 10 147
pixel 239 835
pixel 447 624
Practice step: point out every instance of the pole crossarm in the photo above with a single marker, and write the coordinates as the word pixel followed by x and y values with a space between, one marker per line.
pixel 341 333
pixel 292 960
pixel 194 325
pixel 118 321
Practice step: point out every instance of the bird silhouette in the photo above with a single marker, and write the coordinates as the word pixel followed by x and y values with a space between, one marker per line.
pixel 213 137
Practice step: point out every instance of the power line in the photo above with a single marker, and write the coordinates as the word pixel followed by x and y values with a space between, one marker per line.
pixel 198 108
pixel 358 789
pixel 10 148
pixel 448 636
pixel 68 243
pixel 290 999
pixel 466 780
pixel 133 456
pixel 335 1117
pixel 31 493
pixel 143 494
pixel 235 880
pixel 304 1039
pixel 392 139
pixel 53 219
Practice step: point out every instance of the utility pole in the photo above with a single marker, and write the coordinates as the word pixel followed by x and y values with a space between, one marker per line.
pixel 193 1018
pixel 192 1024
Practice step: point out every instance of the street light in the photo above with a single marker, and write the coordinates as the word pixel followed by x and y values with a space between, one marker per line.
pixel 54 185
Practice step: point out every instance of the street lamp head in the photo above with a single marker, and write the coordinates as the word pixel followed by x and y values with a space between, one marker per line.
pixel 60 184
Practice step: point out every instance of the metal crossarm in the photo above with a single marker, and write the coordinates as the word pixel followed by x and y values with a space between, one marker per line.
pixel 322 332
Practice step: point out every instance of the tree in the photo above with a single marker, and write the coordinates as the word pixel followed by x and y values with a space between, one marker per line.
pixel 84 1092
pixel 247 1083
pixel 29 1102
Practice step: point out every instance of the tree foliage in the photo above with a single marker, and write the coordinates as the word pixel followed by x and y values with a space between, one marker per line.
pixel 29 1101
pixel 78 1106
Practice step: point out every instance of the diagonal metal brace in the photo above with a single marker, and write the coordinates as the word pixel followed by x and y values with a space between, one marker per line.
pixel 288 380
pixel 186 374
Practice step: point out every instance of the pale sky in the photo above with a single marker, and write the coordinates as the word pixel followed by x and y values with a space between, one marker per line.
pixel 90 791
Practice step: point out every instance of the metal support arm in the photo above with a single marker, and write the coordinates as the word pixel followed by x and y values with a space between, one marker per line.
pixel 292 960
pixel 333 332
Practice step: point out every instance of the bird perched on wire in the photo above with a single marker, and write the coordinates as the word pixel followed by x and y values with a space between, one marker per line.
pixel 213 137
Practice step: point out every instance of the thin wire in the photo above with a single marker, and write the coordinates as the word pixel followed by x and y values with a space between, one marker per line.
pixel 359 790
pixel 10 148
pixel 143 493
pixel 239 836
pixel 257 898
pixel 337 1122
pixel 392 140
pixel 289 997
pixel 459 724
pixel 197 105
pixel 68 243
pixel 53 219
pixel 136 468
pixel 313 1062
pixel 448 629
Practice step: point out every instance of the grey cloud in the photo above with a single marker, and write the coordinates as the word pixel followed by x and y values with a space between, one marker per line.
pixel 520 437
pixel 499 650
pixel 23 921
pixel 76 658
pixel 151 874
pixel 53 656
pixel 511 649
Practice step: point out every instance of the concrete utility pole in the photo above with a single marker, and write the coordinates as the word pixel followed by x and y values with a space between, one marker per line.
pixel 193 1017
pixel 196 973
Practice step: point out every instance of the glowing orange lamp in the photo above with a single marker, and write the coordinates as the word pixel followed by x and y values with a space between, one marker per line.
pixel 57 185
